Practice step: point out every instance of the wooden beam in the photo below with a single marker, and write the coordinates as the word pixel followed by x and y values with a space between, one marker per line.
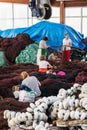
pixel 62 12
pixel 65 0
pixel 76 3
pixel 69 3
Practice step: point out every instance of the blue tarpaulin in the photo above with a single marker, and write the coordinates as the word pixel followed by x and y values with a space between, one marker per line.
pixel 54 31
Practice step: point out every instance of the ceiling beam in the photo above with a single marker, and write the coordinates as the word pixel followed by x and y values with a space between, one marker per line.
pixel 69 3
pixel 55 3
pixel 76 4
pixel 64 0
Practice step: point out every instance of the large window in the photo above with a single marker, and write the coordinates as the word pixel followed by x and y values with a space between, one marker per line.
pixel 73 18
pixel 19 15
pixel 6 16
pixel 77 18
pixel 84 21
pixel 13 15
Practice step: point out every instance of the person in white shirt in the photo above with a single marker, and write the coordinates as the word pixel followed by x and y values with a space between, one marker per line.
pixel 66 50
pixel 43 65
pixel 42 48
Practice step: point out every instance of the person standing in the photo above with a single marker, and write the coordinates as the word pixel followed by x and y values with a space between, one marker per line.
pixel 42 48
pixel 66 50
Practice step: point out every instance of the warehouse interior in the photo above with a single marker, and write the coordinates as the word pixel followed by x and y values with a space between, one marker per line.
pixel 43 65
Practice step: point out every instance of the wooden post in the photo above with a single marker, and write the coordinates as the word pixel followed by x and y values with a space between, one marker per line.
pixel 62 12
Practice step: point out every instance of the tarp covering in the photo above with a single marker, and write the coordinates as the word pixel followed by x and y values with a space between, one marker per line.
pixel 54 31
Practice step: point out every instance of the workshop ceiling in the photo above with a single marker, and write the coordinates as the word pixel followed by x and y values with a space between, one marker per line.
pixel 56 3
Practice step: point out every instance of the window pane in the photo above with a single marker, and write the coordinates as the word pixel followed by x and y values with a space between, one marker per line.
pixel 20 23
pixel 73 11
pixel 29 12
pixel 20 11
pixel 30 22
pixel 85 11
pixel 55 20
pixel 35 20
pixel 6 24
pixel 84 31
pixel 74 23
pixel 55 11
pixel 5 10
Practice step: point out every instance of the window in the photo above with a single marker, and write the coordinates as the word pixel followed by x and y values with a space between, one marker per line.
pixel 71 22
pixel 5 11
pixel 84 29
pixel 19 15
pixel 18 23
pixel 73 11
pixel 76 18
pixel 5 24
pixel 85 11
pixel 20 11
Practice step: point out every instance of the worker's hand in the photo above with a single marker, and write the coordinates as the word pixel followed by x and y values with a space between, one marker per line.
pixel 39 83
pixel 48 46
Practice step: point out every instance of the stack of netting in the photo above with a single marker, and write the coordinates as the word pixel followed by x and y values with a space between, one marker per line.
pixel 51 84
